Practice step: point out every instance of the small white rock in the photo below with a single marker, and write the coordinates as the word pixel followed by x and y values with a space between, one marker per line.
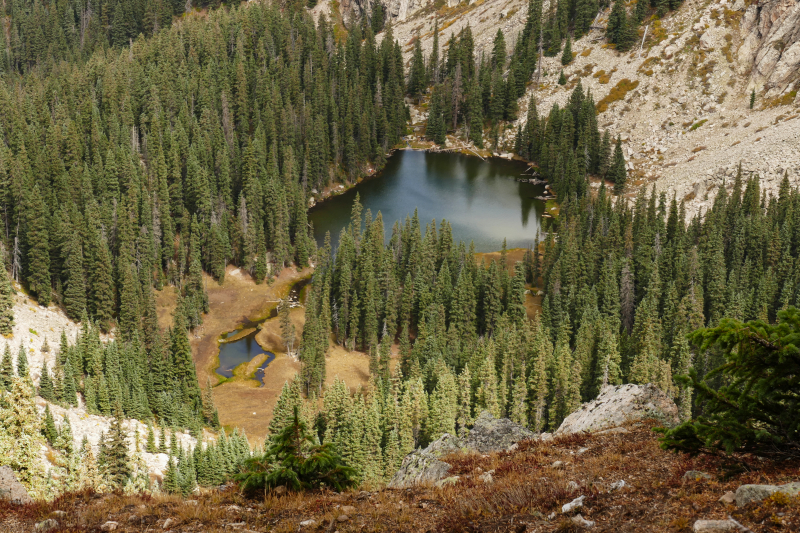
pixel 617 485
pixel 308 523
pixel 109 526
pixel 714 526
pixel 577 503
pixel 580 521
pixel 168 523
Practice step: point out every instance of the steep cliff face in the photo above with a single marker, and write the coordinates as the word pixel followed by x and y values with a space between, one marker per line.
pixel 771 44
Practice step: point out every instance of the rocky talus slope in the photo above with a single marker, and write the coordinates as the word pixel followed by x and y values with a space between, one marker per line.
pixel 34 326
pixel 613 479
pixel 679 99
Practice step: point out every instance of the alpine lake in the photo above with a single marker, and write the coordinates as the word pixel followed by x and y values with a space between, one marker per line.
pixel 485 202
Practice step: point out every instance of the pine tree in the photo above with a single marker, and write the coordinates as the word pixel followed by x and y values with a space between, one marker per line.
pixel 150 446
pixel 75 287
pixel 21 439
pixel 294 461
pixel 101 287
pixel 499 51
pixel 417 76
pixel 562 79
pixel 288 332
pixel 752 98
pixel 519 398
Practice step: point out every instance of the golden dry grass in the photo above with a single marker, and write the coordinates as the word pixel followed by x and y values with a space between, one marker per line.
pixel 526 489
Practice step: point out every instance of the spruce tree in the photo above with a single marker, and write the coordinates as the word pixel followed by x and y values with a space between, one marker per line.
pixel 150 445
pixel 22 361
pixel 38 245
pixel 115 456
pixel 294 461
pixel 417 76
pixel 49 430
pixel 6 300
pixel 6 369
pixel 618 173
pixel 75 286
pixel 566 56
pixel 757 409
pixel 46 385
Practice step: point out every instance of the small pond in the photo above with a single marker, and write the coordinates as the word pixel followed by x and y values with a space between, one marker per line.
pixel 244 349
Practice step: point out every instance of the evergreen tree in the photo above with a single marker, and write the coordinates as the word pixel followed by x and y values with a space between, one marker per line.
pixel 294 461
pixel 38 242
pixel 417 79
pixel 115 454
pixel 566 55
pixel 6 369
pixel 46 385
pixel 21 439
pixel 22 361
pixel 6 300
pixel 757 410
pixel 618 173
pixel 49 430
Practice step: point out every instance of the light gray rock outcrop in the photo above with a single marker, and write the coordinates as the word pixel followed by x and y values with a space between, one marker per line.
pixel 771 43
pixel 755 493
pixel 11 489
pixel 489 434
pixel 617 405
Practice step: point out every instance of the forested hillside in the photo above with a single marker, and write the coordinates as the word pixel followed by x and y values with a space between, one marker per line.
pixel 41 33
pixel 193 149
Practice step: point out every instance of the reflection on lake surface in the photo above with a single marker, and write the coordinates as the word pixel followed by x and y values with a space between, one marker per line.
pixel 481 199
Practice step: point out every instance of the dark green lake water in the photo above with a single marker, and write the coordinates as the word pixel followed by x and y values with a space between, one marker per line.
pixel 481 199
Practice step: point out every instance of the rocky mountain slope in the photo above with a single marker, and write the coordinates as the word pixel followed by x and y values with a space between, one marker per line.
pixel 36 327
pixel 679 99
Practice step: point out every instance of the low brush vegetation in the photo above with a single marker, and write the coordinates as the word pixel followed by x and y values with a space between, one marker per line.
pixel 526 489
pixel 619 92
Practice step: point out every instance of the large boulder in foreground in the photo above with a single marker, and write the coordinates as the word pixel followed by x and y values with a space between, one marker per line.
pixel 620 404
pixel 489 434
pixel 11 489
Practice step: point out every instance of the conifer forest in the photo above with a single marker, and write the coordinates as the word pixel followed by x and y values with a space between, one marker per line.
pixel 141 148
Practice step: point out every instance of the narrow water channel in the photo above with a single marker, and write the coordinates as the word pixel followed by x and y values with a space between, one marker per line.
pixel 245 349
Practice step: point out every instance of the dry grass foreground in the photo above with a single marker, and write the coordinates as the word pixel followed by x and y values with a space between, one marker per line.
pixel 526 491
pixel 242 401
